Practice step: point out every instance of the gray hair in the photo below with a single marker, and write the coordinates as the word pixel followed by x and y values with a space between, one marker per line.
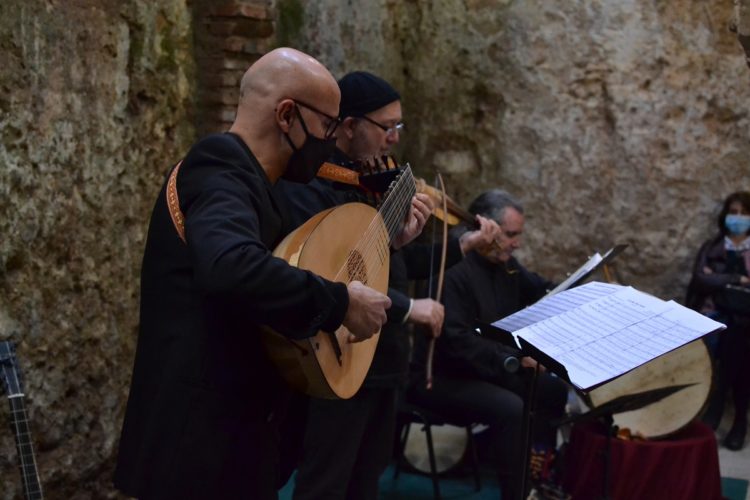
pixel 492 204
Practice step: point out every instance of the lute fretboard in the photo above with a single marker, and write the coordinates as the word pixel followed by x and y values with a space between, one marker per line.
pixel 32 487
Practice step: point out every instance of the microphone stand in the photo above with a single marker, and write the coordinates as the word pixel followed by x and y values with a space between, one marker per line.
pixel 530 377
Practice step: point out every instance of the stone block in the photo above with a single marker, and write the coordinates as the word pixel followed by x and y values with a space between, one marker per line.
pixel 249 28
pixel 247 45
pixel 236 9
pixel 225 95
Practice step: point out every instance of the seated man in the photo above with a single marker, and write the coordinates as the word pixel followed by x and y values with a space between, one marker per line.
pixel 470 383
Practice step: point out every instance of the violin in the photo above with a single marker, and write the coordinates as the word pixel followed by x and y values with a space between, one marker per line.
pixel 375 175
pixel 455 213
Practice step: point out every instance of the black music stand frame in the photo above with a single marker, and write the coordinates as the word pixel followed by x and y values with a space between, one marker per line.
pixel 530 378
pixel 605 412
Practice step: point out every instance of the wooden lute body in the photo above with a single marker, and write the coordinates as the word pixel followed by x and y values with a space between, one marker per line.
pixel 347 243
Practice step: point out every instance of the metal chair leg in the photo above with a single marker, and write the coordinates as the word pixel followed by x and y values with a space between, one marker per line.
pixel 474 458
pixel 401 446
pixel 433 465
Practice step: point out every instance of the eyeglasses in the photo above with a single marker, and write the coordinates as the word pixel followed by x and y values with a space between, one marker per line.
pixel 388 130
pixel 332 123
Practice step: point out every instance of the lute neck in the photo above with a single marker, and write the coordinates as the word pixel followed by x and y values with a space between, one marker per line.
pixel 397 202
pixel 27 461
pixel 373 248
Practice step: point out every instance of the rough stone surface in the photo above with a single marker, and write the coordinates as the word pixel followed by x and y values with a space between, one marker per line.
pixel 94 97
pixel 229 36
pixel 614 121
pixel 741 25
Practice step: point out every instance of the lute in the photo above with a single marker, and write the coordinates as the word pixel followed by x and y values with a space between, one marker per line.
pixel 11 375
pixel 345 243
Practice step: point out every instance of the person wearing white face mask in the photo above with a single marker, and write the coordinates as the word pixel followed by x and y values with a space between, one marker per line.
pixel 720 276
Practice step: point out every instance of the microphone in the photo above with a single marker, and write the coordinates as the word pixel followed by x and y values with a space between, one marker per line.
pixel 511 364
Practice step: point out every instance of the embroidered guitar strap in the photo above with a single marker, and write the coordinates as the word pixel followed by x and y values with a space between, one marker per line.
pixel 173 203
pixel 339 174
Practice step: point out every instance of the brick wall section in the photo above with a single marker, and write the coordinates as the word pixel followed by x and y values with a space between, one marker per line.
pixel 229 37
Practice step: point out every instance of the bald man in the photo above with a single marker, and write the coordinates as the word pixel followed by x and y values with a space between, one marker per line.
pixel 204 405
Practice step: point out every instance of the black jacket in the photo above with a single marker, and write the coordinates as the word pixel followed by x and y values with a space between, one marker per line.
pixel 390 365
pixel 201 376
pixel 477 291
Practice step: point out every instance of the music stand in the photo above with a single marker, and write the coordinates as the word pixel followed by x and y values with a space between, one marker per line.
pixel 606 411
pixel 530 377
pixel 606 259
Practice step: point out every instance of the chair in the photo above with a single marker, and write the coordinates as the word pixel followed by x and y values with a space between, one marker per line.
pixel 413 414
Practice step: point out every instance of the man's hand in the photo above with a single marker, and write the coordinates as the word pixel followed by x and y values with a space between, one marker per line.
pixel 528 362
pixel 429 313
pixel 421 208
pixel 366 312
pixel 479 238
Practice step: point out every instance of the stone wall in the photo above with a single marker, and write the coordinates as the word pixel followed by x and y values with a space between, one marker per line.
pixel 230 36
pixel 95 100
pixel 741 25
pixel 615 122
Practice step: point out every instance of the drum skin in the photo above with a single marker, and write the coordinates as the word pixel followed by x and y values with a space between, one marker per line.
pixel 449 442
pixel 690 364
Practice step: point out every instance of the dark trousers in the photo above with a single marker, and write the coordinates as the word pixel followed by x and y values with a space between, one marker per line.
pixel 248 471
pixel 734 350
pixel 347 446
pixel 466 401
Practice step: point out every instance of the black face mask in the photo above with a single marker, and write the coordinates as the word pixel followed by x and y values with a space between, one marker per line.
pixel 305 162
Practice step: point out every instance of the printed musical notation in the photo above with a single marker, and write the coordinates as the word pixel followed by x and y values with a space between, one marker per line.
pixel 600 331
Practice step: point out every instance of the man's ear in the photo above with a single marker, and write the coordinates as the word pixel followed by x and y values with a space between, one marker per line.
pixel 285 115
pixel 347 126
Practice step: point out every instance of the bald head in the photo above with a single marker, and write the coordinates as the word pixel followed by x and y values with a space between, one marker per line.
pixel 289 73
pixel 266 111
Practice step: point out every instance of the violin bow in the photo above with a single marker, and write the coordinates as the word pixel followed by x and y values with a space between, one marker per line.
pixel 441 275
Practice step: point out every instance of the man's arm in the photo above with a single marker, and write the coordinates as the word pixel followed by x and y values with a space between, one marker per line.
pixel 459 343
pixel 229 259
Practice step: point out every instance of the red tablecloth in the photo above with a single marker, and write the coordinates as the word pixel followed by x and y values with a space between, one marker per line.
pixel 685 466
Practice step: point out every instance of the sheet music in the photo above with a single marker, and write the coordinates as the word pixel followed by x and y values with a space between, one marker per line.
pixel 601 339
pixel 578 273
pixel 552 305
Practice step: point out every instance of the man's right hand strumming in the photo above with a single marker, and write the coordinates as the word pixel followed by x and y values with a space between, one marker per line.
pixel 366 313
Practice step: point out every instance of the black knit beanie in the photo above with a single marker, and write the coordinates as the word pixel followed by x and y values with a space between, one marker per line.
pixel 363 92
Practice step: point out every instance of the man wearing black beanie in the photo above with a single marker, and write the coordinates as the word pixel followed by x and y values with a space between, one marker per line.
pixel 348 443
pixel 372 116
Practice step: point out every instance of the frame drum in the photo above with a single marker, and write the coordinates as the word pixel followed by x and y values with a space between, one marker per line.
pixel 690 364
pixel 448 441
